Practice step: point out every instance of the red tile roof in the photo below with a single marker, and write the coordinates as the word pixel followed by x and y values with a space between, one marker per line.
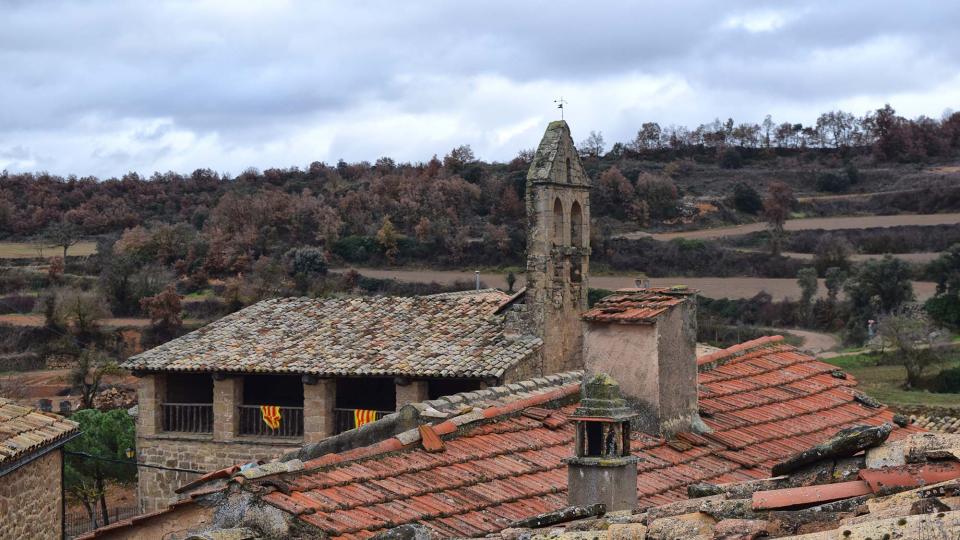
pixel 764 401
pixel 636 306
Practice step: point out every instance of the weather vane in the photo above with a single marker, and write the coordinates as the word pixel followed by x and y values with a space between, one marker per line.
pixel 560 103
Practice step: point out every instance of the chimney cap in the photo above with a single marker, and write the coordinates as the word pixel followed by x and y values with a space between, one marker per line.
pixel 602 401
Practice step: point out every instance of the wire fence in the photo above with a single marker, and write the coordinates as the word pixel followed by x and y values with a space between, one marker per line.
pixel 77 521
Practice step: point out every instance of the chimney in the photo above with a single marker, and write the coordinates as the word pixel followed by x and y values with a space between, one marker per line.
pixel 645 338
pixel 602 469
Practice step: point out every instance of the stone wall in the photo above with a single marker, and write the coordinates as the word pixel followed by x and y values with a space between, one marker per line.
pixel 21 362
pixel 30 500
pixel 156 486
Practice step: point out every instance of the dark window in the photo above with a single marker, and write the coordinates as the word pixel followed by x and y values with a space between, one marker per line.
pixel 189 388
pixel 594 436
pixel 282 390
pixel 569 179
pixel 438 388
pixel 373 393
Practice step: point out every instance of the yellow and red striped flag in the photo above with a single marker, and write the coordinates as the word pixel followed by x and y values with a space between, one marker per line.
pixel 363 416
pixel 271 416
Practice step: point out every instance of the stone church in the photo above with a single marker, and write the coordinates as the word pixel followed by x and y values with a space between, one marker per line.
pixel 293 371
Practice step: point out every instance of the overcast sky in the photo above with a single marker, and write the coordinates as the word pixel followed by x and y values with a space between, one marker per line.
pixel 106 87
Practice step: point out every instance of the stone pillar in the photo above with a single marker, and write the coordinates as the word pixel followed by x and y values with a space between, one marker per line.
pixel 319 399
pixel 227 394
pixel 409 391
pixel 151 392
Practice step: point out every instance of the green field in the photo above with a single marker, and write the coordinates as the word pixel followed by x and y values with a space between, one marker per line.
pixel 885 382
pixel 26 250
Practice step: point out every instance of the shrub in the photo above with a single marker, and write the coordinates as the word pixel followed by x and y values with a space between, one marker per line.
pixel 731 159
pixel 356 249
pixel 948 381
pixel 17 303
pixel 833 183
pixel 746 199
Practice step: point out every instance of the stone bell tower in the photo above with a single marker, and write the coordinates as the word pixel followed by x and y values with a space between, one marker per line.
pixel 558 248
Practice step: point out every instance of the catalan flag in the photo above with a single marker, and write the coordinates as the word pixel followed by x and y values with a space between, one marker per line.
pixel 271 416
pixel 363 416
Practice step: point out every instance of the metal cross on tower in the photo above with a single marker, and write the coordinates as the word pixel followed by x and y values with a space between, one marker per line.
pixel 560 103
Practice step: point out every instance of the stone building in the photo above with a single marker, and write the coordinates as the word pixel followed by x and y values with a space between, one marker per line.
pixel 558 248
pixel 31 471
pixel 287 372
pixel 319 366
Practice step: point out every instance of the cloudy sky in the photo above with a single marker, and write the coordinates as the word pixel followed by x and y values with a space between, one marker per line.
pixel 106 87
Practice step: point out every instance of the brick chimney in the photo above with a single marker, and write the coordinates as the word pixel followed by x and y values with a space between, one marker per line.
pixel 602 469
pixel 645 338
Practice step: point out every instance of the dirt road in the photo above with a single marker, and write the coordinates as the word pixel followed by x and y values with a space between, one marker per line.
pixel 909 257
pixel 829 224
pixel 730 287
pixel 815 342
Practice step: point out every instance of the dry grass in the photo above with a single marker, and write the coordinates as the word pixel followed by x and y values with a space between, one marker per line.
pixel 27 250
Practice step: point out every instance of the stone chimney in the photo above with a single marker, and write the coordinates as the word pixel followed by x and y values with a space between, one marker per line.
pixel 645 338
pixel 602 469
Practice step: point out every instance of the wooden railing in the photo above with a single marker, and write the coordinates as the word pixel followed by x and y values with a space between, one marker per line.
pixel 188 417
pixel 345 419
pixel 252 422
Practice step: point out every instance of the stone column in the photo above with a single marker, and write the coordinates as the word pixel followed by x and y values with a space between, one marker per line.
pixel 319 399
pixel 227 394
pixel 409 391
pixel 151 392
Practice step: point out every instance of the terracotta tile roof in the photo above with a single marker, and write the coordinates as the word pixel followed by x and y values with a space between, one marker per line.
pixel 763 400
pixel 440 336
pixel 24 430
pixel 636 306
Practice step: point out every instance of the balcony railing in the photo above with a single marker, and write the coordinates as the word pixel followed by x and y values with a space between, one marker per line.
pixel 346 419
pixel 188 417
pixel 254 421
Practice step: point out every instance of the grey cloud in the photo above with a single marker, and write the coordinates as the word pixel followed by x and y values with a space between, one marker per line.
pixel 253 76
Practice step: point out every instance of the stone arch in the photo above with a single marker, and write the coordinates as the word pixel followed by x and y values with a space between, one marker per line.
pixel 576 225
pixel 558 222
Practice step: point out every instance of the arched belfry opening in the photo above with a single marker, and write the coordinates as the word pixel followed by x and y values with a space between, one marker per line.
pixel 576 225
pixel 576 240
pixel 557 222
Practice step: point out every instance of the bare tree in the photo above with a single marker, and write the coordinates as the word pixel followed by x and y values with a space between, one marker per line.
pixel 62 234
pixel 593 145
pixel 916 343
pixel 87 376
pixel 776 208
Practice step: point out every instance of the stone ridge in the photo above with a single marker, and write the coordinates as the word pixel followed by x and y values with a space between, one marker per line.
pixel 446 336
pixel 499 395
pixel 24 429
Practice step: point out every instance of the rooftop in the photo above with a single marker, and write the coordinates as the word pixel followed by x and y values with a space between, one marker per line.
pixel 763 400
pixel 24 430
pixel 636 306
pixel 447 335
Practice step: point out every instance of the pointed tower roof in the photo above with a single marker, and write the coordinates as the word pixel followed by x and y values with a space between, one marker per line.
pixel 557 160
